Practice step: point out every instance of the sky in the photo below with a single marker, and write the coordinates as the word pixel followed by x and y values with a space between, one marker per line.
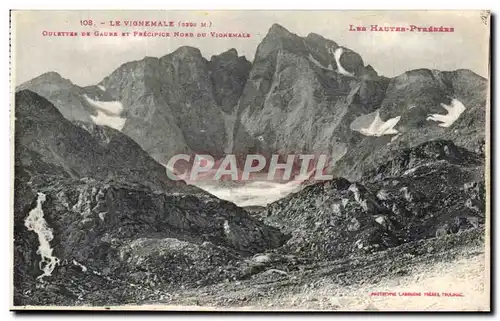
pixel 87 60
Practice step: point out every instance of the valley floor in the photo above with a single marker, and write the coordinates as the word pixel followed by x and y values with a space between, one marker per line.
pixel 455 267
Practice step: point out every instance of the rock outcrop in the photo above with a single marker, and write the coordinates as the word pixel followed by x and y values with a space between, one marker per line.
pixel 430 190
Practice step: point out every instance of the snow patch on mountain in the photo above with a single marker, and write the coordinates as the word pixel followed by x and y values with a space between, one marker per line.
pixel 102 119
pixel 36 223
pixel 108 113
pixel 101 87
pixel 455 109
pixel 109 107
pixel 317 63
pixel 376 126
pixel 337 54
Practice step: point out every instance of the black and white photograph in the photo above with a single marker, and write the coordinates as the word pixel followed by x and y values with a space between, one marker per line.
pixel 250 160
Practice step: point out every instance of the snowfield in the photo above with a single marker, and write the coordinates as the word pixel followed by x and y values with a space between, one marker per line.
pixel 102 119
pixel 455 109
pixel 377 127
pixel 109 107
pixel 108 113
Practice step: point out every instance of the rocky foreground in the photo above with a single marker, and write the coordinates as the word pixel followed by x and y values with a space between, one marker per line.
pixel 448 272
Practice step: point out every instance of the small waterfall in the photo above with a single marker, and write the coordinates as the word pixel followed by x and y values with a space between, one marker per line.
pixel 36 223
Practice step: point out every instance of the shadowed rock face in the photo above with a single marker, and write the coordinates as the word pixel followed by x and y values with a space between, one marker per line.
pixel 229 75
pixel 294 99
pixel 88 151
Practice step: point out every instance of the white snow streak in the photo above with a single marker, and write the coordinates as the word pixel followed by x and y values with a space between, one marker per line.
pixel 36 223
pixel 111 121
pixel 83 267
pixel 109 107
pixel 101 87
pixel 337 55
pixel 317 63
pixel 455 109
pixel 108 113
pixel 378 127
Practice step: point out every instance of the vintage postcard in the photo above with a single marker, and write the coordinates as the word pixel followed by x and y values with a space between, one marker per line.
pixel 250 160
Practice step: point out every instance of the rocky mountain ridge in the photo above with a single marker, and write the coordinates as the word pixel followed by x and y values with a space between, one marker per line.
pixel 98 221
pixel 299 95
pixel 430 190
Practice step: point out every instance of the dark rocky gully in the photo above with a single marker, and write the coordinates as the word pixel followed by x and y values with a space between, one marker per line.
pixel 409 183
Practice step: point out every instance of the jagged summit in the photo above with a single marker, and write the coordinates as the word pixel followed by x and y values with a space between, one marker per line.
pixel 314 37
pixel 185 51
pixel 279 30
pixel 231 53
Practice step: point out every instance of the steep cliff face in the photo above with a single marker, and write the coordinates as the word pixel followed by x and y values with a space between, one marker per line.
pixel 312 95
pixel 179 103
pixel 301 95
pixel 149 120
pixel 170 105
pixel 229 75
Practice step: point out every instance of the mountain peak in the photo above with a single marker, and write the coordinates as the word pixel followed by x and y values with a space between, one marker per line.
pixel 51 75
pixel 277 29
pixel 232 52
pixel 187 51
pixel 315 36
pixel 48 77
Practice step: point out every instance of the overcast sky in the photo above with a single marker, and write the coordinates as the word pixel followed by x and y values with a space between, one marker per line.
pixel 87 61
